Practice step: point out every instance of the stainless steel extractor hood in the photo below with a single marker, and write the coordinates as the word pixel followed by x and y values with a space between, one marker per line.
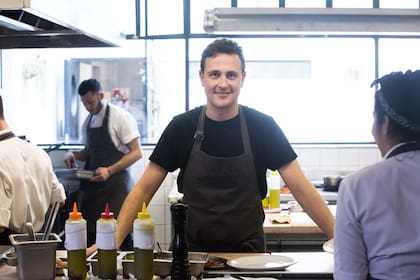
pixel 63 23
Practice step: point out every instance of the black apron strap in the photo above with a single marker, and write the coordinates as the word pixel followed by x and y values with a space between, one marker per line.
pixel 7 135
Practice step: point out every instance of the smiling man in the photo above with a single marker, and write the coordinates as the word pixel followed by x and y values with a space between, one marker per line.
pixel 223 151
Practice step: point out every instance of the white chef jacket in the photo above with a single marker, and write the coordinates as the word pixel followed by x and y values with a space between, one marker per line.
pixel 122 126
pixel 27 181
pixel 377 229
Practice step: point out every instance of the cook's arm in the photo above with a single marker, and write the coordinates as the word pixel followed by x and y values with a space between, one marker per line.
pixel 308 197
pixel 143 191
pixel 134 154
pixel 71 157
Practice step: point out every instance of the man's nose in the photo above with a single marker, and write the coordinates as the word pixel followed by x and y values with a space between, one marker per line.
pixel 223 82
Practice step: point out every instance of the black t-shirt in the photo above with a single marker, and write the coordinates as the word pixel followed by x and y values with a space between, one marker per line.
pixel 269 145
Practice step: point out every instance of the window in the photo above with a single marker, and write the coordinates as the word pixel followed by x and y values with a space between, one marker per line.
pixel 318 90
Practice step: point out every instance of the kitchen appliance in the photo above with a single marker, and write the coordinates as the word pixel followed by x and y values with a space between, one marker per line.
pixel 62 23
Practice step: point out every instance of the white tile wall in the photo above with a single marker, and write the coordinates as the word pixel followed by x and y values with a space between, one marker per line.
pixel 315 160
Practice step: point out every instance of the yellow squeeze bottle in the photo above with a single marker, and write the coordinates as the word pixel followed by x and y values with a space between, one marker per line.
pixel 106 242
pixel 75 244
pixel 143 243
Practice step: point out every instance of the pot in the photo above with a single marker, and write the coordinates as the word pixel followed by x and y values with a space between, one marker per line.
pixel 332 182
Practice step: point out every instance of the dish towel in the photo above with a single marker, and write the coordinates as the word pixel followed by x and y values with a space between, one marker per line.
pixel 280 218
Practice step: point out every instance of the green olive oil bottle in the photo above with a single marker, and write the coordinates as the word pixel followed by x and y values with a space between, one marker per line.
pixel 143 243
pixel 106 242
pixel 75 244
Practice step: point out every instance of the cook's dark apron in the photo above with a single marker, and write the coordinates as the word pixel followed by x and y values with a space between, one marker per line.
pixel 225 211
pixel 102 152
pixel 4 236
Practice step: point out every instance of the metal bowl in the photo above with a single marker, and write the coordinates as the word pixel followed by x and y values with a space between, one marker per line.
pixel 162 263
pixel 11 258
pixel 332 182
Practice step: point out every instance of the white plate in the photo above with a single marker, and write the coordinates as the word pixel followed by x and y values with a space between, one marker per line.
pixel 328 246
pixel 263 262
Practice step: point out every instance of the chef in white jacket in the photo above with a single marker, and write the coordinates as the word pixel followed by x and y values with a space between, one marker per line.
pixel 377 229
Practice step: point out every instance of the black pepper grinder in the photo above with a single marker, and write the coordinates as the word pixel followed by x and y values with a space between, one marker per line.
pixel 180 262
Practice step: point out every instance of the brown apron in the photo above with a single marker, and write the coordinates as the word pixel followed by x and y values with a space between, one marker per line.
pixel 102 152
pixel 225 211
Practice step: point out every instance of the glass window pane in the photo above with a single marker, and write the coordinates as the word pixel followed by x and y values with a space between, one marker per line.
pixel 305 3
pixel 36 78
pixel 166 83
pixel 400 4
pixel 405 58
pixel 197 12
pixel 165 17
pixel 352 4
pixel 312 87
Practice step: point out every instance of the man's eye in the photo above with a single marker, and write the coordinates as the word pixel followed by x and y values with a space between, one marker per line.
pixel 214 74
pixel 232 75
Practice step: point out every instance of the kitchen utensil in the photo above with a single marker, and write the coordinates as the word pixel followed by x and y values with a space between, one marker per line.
pixel 262 262
pixel 332 182
pixel 30 229
pixel 35 259
pixel 162 263
pixel 9 256
pixel 74 174
pixel 50 221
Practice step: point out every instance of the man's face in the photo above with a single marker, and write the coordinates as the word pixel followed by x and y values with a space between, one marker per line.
pixel 92 102
pixel 222 80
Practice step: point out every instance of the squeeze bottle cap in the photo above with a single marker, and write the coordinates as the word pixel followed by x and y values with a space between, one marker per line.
pixel 107 214
pixel 143 214
pixel 75 215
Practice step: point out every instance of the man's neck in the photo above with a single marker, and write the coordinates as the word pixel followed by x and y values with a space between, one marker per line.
pixel 222 114
pixel 3 125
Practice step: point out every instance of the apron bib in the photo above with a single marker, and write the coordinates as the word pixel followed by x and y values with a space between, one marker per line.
pixel 102 152
pixel 224 206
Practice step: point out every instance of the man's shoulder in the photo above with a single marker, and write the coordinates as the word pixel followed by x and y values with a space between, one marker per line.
pixel 191 115
pixel 256 117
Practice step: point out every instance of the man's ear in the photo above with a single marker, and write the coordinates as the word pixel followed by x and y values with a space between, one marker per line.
pixel 101 95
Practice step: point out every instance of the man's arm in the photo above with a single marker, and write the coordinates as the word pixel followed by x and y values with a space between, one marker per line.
pixel 71 157
pixel 308 197
pixel 133 155
pixel 143 191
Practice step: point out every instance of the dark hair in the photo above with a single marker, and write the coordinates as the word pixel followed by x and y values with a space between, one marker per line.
pixel 398 98
pixel 89 85
pixel 224 45
pixel 1 108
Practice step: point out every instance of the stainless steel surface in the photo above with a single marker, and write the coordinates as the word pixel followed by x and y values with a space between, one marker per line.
pixel 36 259
pixel 332 180
pixel 50 221
pixel 63 24
pixel 7 255
pixel 30 229
pixel 74 174
pixel 162 263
